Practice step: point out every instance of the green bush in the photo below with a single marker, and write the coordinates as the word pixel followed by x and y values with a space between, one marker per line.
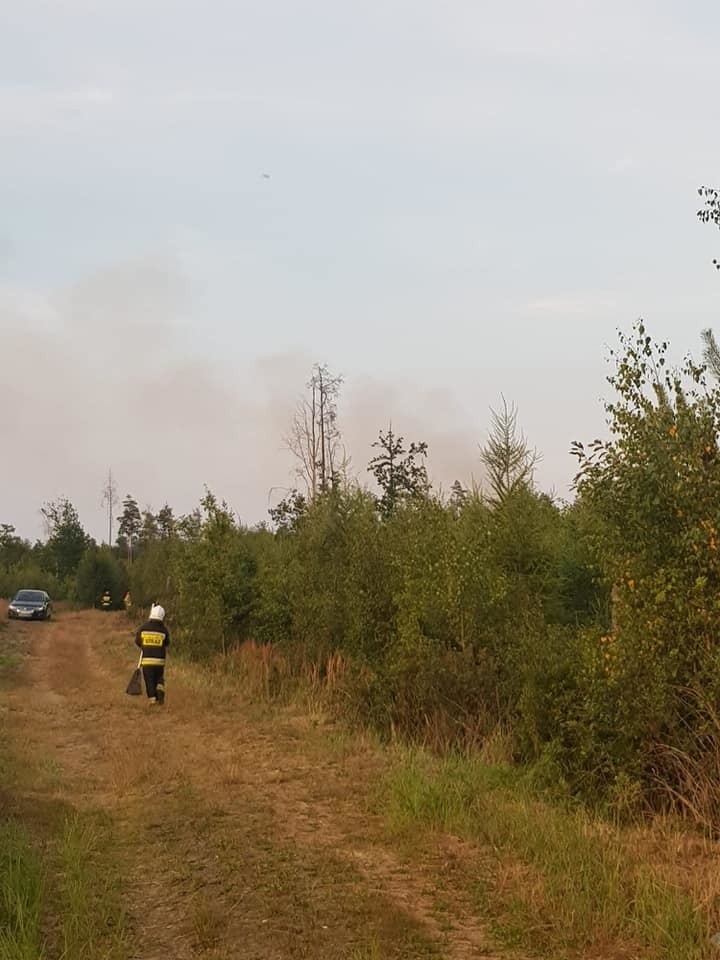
pixel 436 696
pixel 28 574
pixel 100 570
pixel 212 582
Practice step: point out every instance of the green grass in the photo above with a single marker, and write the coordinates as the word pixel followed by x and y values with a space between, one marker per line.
pixel 582 876
pixel 65 885
pixel 9 664
pixel 59 886
pixel 92 921
pixel 21 895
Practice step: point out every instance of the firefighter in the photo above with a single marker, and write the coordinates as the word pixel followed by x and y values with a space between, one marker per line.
pixel 153 638
pixel 106 601
pixel 127 602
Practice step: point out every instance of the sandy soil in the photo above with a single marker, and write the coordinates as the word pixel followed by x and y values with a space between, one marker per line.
pixel 239 832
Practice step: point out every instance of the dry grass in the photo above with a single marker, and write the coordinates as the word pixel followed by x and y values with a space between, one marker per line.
pixel 208 922
pixel 562 879
pixel 266 672
pixel 261 669
pixel 690 782
pixel 213 806
pixel 263 674
pixel 686 860
pixel 273 809
pixel 128 769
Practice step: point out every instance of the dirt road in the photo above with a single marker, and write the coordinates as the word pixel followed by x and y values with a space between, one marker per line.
pixel 239 833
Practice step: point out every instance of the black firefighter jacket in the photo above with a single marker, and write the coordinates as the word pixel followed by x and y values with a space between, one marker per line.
pixel 153 638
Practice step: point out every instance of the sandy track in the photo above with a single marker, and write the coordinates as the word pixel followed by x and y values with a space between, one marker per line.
pixel 238 836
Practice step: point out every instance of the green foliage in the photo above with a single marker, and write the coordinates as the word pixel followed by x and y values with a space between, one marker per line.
pixel 434 604
pixel 583 594
pixel 555 725
pixel 432 695
pixel 149 531
pixel 130 528
pixel 12 548
pixel 272 608
pixel 286 515
pixel 67 541
pixel 397 472
pixel 320 573
pixel 165 520
pixel 711 352
pixel 506 456
pixel 577 630
pixel 652 495
pixel 212 573
pixel 149 574
pixel 447 585
pixel 29 574
pixel 100 570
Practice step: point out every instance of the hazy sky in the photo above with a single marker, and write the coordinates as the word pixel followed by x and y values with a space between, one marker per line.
pixel 464 198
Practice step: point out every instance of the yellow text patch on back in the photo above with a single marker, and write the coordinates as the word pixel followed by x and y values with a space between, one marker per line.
pixel 150 638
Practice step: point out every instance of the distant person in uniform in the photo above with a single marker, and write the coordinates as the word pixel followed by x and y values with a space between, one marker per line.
pixel 153 638
pixel 106 601
pixel 127 602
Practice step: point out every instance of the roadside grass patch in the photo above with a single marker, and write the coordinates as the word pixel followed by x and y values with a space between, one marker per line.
pixel 92 919
pixel 21 895
pixel 14 644
pixel 586 878
pixel 60 896
pixel 60 889
pixel 9 663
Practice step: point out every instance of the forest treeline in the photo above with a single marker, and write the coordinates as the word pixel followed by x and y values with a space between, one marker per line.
pixel 585 634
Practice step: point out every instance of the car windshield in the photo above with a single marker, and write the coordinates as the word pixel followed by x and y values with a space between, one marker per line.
pixel 30 596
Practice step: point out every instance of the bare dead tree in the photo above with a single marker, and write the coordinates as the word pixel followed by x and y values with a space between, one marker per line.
pixel 110 501
pixel 314 438
pixel 302 443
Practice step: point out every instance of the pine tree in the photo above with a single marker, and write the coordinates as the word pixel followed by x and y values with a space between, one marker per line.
pixel 130 526
pixel 509 461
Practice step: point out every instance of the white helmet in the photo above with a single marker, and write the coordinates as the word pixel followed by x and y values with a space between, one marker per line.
pixel 157 613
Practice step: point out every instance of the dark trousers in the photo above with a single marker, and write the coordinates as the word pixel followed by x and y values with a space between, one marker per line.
pixel 155 682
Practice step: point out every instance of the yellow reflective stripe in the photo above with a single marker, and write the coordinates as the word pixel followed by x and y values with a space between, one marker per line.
pixel 152 662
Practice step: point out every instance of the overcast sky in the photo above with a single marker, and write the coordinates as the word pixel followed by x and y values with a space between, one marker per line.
pixel 462 199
